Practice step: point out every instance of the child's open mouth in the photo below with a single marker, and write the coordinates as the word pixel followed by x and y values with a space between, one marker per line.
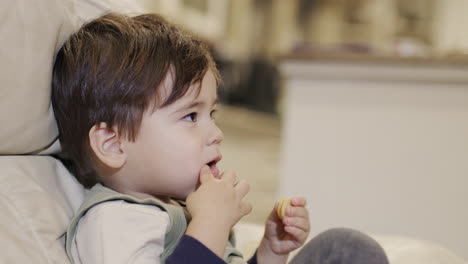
pixel 213 167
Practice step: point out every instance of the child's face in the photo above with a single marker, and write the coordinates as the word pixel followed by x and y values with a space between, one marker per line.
pixel 174 143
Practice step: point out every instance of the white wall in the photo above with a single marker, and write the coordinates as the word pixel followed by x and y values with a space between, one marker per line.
pixel 380 148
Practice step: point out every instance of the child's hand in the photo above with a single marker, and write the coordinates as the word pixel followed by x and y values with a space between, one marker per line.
pixel 216 206
pixel 220 199
pixel 283 236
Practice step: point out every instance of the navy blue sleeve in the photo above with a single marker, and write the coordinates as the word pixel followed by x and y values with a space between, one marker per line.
pixel 253 259
pixel 190 250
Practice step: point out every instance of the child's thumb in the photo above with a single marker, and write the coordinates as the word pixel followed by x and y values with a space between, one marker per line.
pixel 205 174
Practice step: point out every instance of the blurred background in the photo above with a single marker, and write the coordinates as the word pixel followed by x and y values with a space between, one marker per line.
pixel 361 106
pixel 250 37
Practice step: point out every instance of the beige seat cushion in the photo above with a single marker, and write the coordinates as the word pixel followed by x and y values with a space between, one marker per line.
pixel 408 250
pixel 37 200
pixel 31 32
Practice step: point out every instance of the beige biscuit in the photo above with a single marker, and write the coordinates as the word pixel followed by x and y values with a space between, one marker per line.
pixel 283 204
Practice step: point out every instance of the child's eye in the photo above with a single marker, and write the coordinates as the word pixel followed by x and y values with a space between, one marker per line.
pixel 192 117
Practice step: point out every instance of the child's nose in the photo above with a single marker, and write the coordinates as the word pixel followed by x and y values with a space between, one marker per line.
pixel 216 135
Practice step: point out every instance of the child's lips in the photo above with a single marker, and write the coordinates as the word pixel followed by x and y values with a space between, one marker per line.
pixel 213 166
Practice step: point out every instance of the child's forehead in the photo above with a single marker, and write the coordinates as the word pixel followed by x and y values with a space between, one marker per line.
pixel 191 93
pixel 167 87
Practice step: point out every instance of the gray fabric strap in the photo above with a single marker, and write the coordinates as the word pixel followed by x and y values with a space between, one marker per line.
pixel 99 194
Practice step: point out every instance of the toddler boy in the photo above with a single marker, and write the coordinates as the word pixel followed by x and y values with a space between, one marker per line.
pixel 134 99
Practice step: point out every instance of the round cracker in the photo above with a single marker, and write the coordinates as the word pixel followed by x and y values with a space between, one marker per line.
pixel 283 204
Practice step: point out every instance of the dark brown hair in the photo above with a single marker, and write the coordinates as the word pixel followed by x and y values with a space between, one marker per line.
pixel 110 71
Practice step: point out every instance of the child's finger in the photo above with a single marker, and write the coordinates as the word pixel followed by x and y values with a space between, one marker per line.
pixel 242 188
pixel 205 174
pixel 246 208
pixel 298 201
pixel 274 212
pixel 293 211
pixel 298 222
pixel 297 233
pixel 230 177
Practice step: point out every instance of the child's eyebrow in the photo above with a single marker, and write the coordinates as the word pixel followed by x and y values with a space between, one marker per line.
pixel 197 103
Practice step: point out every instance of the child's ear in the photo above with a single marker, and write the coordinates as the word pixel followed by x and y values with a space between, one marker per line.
pixel 107 146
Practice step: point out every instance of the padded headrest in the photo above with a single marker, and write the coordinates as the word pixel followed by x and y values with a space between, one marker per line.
pixel 31 32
